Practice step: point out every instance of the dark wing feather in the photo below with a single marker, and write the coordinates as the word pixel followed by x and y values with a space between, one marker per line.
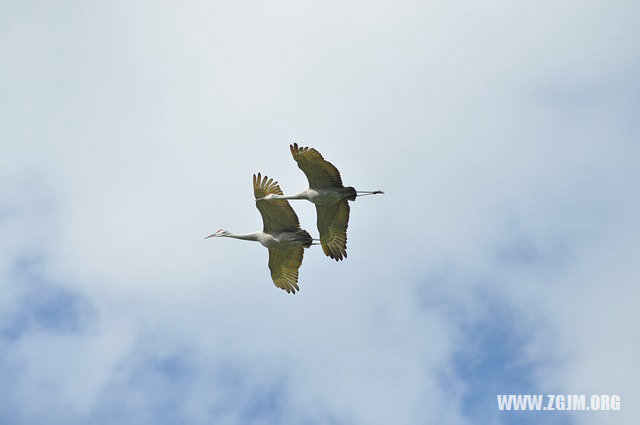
pixel 320 173
pixel 333 221
pixel 284 265
pixel 277 214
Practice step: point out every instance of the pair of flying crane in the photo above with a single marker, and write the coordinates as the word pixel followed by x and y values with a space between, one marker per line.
pixel 282 234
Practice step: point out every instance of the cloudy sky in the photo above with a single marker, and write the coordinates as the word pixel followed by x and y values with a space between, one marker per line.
pixel 503 257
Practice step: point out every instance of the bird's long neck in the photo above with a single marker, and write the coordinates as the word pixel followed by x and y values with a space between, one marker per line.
pixel 299 195
pixel 244 236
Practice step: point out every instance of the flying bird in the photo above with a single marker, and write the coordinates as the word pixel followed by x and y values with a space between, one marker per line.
pixel 281 234
pixel 330 197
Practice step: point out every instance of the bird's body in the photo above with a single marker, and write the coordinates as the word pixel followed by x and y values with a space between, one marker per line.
pixel 285 240
pixel 330 197
pixel 281 234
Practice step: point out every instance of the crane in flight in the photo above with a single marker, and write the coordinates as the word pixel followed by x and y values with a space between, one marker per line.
pixel 281 234
pixel 330 197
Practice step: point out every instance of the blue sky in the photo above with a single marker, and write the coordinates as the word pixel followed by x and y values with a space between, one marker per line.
pixel 502 257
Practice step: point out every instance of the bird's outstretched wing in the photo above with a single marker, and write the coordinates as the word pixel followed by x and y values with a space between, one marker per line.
pixel 277 214
pixel 320 173
pixel 284 265
pixel 332 226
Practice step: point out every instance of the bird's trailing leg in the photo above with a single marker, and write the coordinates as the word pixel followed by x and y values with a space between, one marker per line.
pixel 368 192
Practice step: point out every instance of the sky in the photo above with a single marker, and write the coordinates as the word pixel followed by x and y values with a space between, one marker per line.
pixel 502 258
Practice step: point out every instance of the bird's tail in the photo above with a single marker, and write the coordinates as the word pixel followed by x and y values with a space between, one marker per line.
pixel 308 240
pixel 351 193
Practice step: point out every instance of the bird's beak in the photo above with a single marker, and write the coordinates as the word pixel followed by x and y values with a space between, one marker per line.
pixel 210 236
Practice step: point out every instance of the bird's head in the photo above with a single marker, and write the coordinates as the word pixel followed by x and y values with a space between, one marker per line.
pixel 218 234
